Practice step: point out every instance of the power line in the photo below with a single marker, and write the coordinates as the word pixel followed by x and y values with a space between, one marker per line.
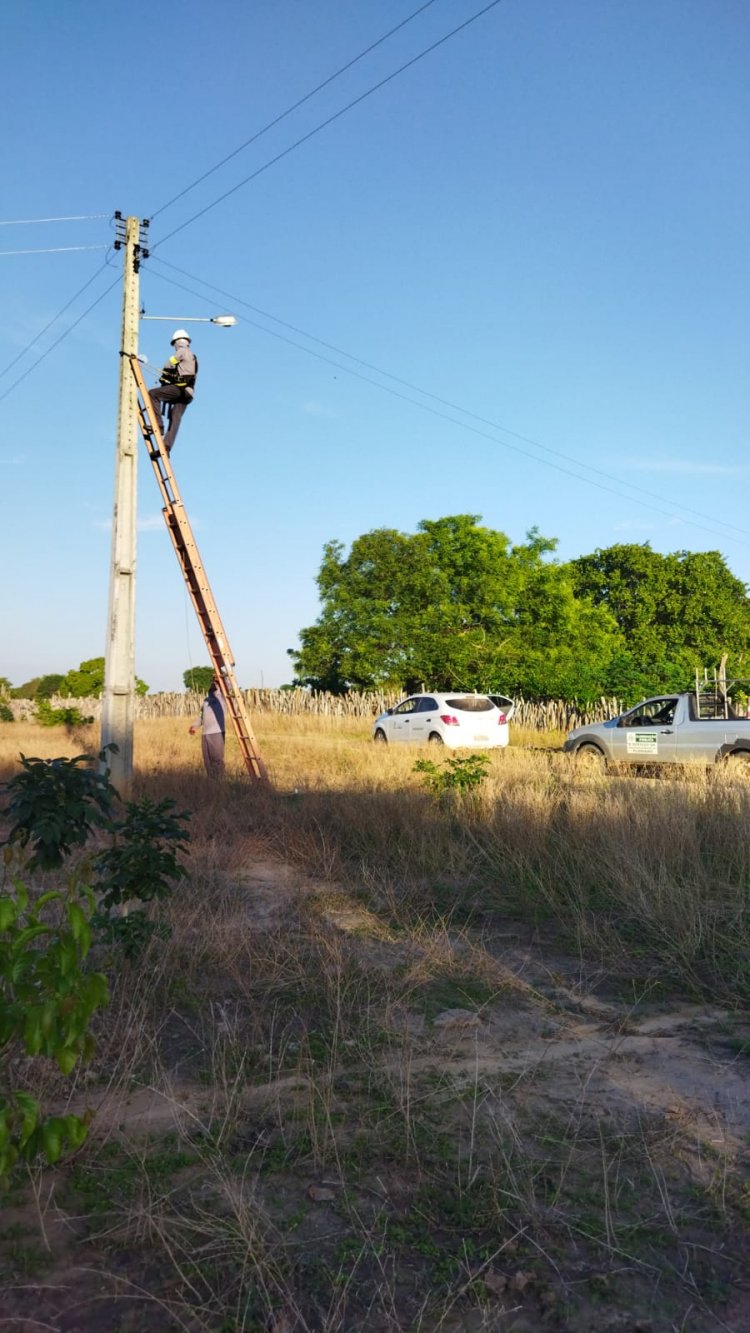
pixel 445 402
pixel 54 320
pixel 28 222
pixel 54 250
pixel 375 87
pixel 57 341
pixel 615 489
pixel 277 119
pixel 329 121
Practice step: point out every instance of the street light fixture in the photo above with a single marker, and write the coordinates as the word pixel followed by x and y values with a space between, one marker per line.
pixel 223 321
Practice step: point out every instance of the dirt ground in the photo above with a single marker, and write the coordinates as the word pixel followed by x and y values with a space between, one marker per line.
pixel 594 1178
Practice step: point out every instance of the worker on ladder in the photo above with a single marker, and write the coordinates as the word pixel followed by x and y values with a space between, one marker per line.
pixel 176 385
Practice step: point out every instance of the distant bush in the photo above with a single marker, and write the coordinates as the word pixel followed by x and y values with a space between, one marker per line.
pixel 6 713
pixel 47 716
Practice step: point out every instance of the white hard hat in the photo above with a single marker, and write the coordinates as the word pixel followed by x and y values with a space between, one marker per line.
pixel 180 333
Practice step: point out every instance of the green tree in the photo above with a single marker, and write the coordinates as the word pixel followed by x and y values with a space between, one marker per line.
pixel 49 685
pixel 198 678
pixel 675 612
pixel 27 690
pixel 87 681
pixel 453 606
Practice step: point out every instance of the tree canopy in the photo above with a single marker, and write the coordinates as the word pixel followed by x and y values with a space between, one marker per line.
pixel 198 678
pixel 457 605
pixel 49 685
pixel 27 690
pixel 84 681
pixel 87 680
pixel 675 613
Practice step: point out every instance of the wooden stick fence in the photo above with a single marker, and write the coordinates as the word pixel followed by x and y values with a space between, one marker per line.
pixel 544 715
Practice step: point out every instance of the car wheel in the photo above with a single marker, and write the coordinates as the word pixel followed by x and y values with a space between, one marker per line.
pixel 590 758
pixel 380 737
pixel 738 764
pixel 435 739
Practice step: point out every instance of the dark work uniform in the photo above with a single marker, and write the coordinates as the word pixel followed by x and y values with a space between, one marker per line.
pixel 176 388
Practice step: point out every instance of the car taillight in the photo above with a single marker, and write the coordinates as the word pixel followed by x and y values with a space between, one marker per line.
pixel 502 718
pixel 449 719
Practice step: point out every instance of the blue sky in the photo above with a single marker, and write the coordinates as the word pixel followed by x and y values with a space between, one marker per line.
pixel 543 222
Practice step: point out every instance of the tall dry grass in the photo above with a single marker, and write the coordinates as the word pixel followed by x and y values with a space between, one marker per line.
pixel 284 1050
pixel 628 867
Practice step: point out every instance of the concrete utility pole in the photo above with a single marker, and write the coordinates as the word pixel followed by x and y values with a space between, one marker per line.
pixel 118 704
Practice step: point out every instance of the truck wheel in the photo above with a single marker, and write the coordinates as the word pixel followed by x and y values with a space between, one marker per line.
pixel 738 765
pixel 380 737
pixel 590 759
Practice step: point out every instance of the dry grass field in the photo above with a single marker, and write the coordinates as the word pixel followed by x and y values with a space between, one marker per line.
pixel 407 1062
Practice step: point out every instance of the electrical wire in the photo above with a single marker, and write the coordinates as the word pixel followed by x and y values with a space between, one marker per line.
pixel 328 121
pixel 316 130
pixel 463 425
pixel 28 222
pixel 296 105
pixel 62 337
pixel 54 320
pixel 456 407
pixel 54 249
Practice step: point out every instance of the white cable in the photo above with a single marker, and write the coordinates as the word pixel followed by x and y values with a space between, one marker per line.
pixel 456 407
pixel 54 250
pixel 57 341
pixel 52 321
pixel 28 222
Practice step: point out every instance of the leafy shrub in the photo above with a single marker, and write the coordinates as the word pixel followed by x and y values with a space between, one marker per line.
pixel 54 805
pixel 462 773
pixel 47 716
pixel 6 712
pixel 141 865
pixel 142 861
pixel 47 996
pixel 130 934
pixel 47 1000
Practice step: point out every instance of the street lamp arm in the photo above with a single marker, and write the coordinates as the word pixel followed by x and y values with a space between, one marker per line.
pixel 223 321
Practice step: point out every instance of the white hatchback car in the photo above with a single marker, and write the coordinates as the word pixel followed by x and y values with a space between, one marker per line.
pixel 472 721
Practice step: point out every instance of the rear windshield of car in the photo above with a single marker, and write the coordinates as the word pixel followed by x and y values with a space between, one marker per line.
pixel 471 703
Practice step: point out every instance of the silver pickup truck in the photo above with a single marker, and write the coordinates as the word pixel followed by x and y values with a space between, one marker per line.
pixel 671 729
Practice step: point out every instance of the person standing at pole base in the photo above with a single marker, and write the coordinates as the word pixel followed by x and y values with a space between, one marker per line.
pixel 212 726
pixel 176 385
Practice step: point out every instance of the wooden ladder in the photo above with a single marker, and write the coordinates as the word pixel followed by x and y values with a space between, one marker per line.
pixel 195 578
